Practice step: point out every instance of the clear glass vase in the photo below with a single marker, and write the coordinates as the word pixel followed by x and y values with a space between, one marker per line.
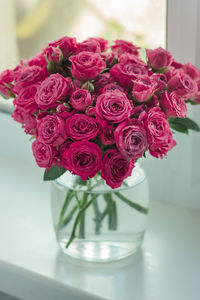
pixel 95 223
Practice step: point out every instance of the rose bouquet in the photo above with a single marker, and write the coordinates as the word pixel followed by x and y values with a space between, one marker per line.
pixel 94 109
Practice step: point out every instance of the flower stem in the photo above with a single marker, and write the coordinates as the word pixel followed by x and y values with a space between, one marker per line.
pixel 68 218
pixel 137 206
pixel 81 211
pixel 112 211
pixel 82 217
pixel 67 200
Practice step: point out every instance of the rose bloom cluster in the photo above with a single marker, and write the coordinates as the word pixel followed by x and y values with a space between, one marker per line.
pixel 95 108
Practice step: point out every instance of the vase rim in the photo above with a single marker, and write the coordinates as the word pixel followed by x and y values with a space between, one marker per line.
pixel 68 180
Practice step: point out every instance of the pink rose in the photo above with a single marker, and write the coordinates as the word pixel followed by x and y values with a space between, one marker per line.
pixel 84 159
pixel 37 60
pixel 125 73
pixel 29 124
pixel 80 127
pixel 130 58
pixel 161 80
pixel 18 115
pixel 86 65
pixel 27 120
pixel 191 70
pixel 63 153
pixel 107 135
pixel 52 53
pixel 6 78
pixel 173 105
pixel 109 58
pixel 159 135
pixel 121 46
pixel 115 168
pixel 131 139
pixel 53 89
pixel 27 76
pixel 80 99
pixel 110 87
pixel 113 107
pixel 144 88
pixel 101 80
pixel 50 130
pixel 89 45
pixel 102 42
pixel 159 58
pixel 64 110
pixel 26 98
pixel 44 154
pixel 182 84
pixel 66 44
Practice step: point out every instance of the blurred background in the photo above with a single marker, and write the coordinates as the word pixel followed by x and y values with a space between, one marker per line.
pixel 32 24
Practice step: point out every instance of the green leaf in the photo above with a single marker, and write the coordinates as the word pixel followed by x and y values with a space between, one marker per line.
pixel 190 124
pixel 183 124
pixel 54 173
pixel 179 127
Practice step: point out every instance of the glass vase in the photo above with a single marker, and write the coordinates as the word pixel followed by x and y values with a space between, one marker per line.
pixel 96 223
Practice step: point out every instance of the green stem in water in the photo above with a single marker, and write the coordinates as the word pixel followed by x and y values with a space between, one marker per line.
pixel 112 211
pixel 82 217
pixel 137 206
pixel 67 200
pixel 81 211
pixel 98 215
pixel 68 218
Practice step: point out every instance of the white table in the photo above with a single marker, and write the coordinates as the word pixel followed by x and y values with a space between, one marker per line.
pixel 32 268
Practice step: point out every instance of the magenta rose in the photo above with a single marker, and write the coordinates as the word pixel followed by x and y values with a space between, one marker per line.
pixel 29 124
pixel 64 110
pixel 191 70
pixel 62 155
pixel 86 65
pixel 26 98
pixel 52 53
pixel 66 44
pixel 121 46
pixel 161 80
pixel 6 78
pixel 115 168
pixel 80 99
pixel 159 58
pixel 44 154
pixel 125 73
pixel 50 130
pixel 107 135
pixel 182 84
pixel 173 105
pixel 80 127
pixel 131 139
pixel 37 60
pixel 27 120
pixel 89 45
pixel 27 76
pixel 84 159
pixel 110 87
pixel 109 58
pixel 143 88
pixel 53 89
pixel 102 80
pixel 159 135
pixel 102 42
pixel 113 107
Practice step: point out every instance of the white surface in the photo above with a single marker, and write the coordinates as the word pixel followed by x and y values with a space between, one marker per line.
pixel 31 266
